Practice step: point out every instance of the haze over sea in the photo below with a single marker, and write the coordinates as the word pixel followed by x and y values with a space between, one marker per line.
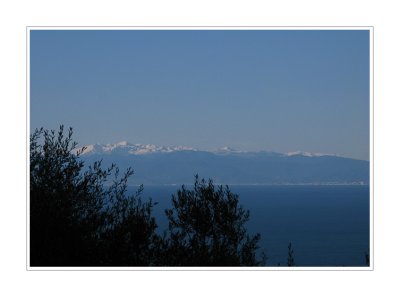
pixel 327 225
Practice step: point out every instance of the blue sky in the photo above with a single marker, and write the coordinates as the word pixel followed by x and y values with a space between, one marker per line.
pixel 273 90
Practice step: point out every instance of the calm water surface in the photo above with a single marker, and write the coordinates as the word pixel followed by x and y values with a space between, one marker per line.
pixel 327 225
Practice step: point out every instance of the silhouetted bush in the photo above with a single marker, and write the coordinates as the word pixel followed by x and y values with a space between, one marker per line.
pixel 290 258
pixel 207 228
pixel 79 217
pixel 366 255
pixel 75 220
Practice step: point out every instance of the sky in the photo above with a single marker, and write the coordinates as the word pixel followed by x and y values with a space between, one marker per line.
pixel 275 90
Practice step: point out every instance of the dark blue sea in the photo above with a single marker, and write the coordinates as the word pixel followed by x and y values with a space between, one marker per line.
pixel 327 225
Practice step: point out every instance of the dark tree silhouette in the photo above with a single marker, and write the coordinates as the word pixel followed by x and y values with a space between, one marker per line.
pixel 207 228
pixel 83 216
pixel 366 259
pixel 75 220
pixel 131 239
pixel 290 259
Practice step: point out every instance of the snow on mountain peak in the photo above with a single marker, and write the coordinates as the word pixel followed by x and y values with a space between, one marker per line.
pixel 306 154
pixel 124 147
pixel 129 148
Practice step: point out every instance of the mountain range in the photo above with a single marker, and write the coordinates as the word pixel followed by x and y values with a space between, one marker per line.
pixel 178 164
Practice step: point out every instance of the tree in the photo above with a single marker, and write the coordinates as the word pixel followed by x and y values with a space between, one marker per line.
pixel 131 239
pixel 207 228
pixel 290 259
pixel 75 220
pixel 366 255
pixel 82 216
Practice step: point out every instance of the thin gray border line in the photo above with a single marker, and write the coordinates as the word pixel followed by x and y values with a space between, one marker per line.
pixel 199 26
pixel 371 78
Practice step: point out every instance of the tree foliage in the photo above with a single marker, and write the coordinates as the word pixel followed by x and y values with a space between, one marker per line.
pixel 75 219
pixel 207 228
pixel 290 257
pixel 83 216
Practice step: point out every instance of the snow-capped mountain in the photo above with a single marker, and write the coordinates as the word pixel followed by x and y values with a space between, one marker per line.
pixel 124 147
pixel 178 164
pixel 308 154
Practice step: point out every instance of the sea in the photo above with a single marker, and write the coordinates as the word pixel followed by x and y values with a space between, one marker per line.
pixel 327 226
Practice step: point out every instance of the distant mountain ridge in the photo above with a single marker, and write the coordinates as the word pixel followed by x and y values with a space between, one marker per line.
pixel 140 149
pixel 129 148
pixel 178 164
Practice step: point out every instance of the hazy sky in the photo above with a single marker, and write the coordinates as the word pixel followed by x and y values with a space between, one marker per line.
pixel 251 90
